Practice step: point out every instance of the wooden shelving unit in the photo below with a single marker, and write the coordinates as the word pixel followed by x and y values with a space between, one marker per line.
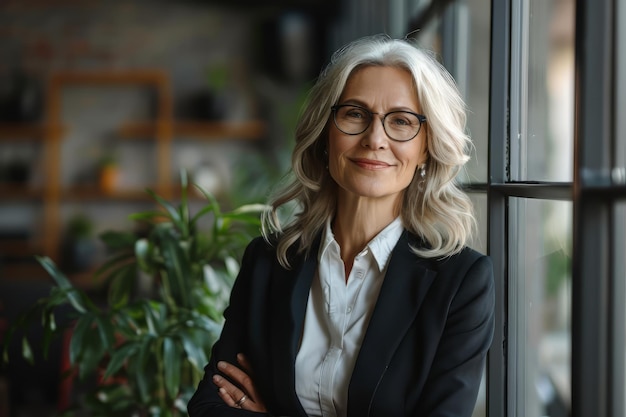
pixel 12 132
pixel 198 130
pixel 162 131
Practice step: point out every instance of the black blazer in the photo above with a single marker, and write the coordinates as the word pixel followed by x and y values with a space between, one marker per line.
pixel 423 353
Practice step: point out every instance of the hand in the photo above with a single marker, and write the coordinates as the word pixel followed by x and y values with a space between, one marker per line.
pixel 241 393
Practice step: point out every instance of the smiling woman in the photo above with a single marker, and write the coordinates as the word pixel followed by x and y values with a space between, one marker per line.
pixel 369 165
pixel 368 301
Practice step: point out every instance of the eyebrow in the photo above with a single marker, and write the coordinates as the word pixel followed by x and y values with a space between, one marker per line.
pixel 359 103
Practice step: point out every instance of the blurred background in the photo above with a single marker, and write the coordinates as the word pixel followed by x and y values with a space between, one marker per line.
pixel 101 99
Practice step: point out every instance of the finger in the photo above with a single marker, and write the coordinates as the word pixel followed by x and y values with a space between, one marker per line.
pixel 225 384
pixel 228 398
pixel 235 398
pixel 235 386
pixel 229 392
pixel 245 364
pixel 238 376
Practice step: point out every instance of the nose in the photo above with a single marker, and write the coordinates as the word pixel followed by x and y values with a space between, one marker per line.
pixel 375 136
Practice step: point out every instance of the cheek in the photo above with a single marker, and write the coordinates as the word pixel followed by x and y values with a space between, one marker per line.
pixel 412 157
pixel 336 148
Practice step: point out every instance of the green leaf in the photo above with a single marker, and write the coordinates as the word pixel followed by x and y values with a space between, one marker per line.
pixel 142 378
pixel 149 216
pixel 184 206
pixel 195 352
pixel 178 272
pixel 106 331
pixel 77 342
pixel 213 203
pixel 172 366
pixel 143 252
pixel 116 240
pixel 74 296
pixel 121 286
pixel 174 215
pixel 119 357
pixel 92 353
pixel 49 327
pixel 155 313
pixel 27 352
pixel 114 263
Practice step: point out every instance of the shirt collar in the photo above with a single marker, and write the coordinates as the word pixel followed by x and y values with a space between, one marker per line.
pixel 380 246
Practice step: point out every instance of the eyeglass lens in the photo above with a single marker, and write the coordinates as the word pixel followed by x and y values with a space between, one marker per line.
pixel 399 125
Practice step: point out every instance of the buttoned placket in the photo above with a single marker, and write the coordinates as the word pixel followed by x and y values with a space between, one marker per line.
pixel 340 297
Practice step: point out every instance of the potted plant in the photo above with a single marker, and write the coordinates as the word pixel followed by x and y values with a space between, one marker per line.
pixel 108 173
pixel 147 354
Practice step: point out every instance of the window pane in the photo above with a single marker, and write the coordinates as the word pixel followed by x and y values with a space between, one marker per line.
pixel 476 47
pixel 540 307
pixel 546 147
pixel 479 240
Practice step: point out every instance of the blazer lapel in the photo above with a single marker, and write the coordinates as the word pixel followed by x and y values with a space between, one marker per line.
pixel 289 297
pixel 406 283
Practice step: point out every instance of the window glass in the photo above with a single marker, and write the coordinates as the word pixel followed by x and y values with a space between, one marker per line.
pixel 475 46
pixel 461 40
pixel 546 137
pixel 540 306
pixel 479 240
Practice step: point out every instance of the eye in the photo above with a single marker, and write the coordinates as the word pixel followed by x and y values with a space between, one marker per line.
pixel 401 119
pixel 355 113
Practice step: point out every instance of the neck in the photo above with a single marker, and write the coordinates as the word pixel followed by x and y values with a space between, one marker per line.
pixel 357 221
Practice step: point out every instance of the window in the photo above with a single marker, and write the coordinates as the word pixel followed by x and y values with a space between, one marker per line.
pixel 550 193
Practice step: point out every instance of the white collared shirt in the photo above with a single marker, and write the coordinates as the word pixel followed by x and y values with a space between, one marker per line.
pixel 337 316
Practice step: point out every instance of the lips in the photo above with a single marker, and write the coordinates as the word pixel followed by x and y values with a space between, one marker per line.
pixel 370 163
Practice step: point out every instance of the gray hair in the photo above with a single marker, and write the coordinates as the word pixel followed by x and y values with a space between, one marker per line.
pixel 435 209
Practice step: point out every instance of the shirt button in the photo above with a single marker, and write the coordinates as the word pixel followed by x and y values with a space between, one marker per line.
pixel 349 309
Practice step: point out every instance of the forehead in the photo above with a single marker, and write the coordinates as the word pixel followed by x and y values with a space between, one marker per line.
pixel 381 85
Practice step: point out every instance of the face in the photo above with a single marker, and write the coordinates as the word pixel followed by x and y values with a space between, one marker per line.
pixel 370 164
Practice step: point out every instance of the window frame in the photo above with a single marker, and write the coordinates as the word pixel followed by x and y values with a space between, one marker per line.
pixel 598 270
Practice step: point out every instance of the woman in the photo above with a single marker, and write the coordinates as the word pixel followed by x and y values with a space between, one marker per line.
pixel 368 303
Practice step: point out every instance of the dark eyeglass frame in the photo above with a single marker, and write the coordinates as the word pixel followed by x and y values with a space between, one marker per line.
pixel 371 114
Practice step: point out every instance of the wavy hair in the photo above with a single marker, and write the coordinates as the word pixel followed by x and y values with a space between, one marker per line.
pixel 435 209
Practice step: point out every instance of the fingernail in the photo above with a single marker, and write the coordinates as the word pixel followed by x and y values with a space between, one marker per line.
pixel 240 356
pixel 217 378
pixel 221 364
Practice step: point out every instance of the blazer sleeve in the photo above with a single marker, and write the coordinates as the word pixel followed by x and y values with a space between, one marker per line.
pixel 453 381
pixel 206 401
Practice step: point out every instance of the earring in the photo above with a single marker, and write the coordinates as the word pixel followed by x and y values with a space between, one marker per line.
pixel 423 172
pixel 422 181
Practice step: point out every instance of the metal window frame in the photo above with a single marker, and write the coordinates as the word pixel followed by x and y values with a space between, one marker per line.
pixel 598 270
pixel 595 366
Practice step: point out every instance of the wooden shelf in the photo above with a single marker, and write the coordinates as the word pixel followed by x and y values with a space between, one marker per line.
pixel 14 271
pixel 160 133
pixel 251 130
pixel 19 247
pixel 93 192
pixel 20 192
pixel 104 77
pixel 10 132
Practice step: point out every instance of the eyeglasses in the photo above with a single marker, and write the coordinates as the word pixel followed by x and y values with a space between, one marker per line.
pixel 400 125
